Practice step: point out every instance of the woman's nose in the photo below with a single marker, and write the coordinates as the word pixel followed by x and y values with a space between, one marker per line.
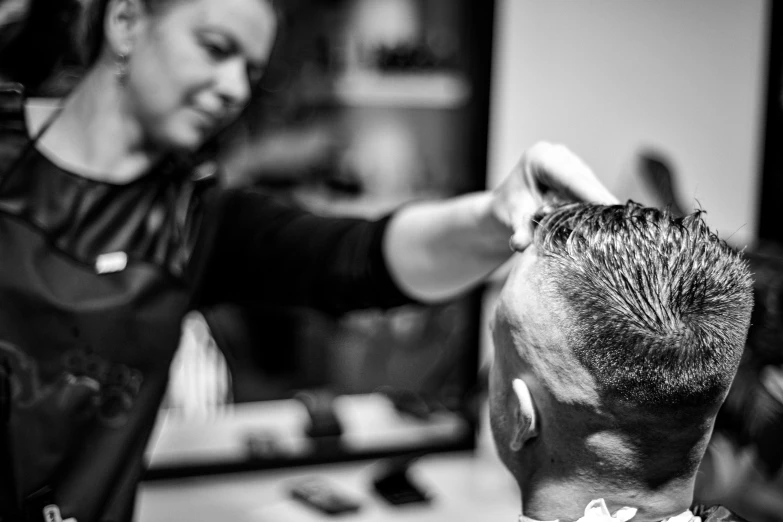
pixel 233 85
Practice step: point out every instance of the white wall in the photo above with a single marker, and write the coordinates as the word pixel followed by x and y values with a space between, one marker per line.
pixel 608 76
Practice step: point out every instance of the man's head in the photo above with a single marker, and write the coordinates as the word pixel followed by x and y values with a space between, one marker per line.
pixel 617 336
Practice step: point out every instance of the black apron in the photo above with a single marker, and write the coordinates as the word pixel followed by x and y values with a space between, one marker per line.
pixel 93 287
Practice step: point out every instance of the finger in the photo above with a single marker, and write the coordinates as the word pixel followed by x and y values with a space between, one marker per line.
pixel 561 173
pixel 590 190
pixel 521 239
pixel 577 182
pixel 522 220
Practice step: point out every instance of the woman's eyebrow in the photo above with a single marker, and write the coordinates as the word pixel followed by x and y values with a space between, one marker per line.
pixel 220 33
pixel 235 45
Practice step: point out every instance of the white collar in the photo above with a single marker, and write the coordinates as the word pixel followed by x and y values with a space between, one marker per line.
pixel 596 511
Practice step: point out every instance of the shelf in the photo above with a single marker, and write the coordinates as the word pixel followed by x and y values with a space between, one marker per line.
pixel 425 90
pixel 371 424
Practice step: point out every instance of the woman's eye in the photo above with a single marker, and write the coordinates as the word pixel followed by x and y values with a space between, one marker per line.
pixel 216 51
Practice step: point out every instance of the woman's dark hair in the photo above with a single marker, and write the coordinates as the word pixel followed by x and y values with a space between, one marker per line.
pixel 47 44
pixel 90 28
pixel 38 41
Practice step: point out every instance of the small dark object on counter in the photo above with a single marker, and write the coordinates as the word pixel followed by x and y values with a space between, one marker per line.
pixel 324 496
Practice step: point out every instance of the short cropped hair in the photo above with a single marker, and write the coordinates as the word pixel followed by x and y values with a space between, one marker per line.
pixel 660 305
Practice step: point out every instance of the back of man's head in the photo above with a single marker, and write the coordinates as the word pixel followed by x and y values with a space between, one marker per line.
pixel 661 305
pixel 626 326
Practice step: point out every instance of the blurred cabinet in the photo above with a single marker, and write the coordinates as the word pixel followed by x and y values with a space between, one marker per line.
pixel 366 105
pixel 373 99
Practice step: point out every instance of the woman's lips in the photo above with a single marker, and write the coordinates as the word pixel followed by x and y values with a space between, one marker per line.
pixel 208 119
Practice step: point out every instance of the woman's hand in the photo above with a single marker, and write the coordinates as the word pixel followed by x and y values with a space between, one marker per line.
pixel 547 174
pixel 436 250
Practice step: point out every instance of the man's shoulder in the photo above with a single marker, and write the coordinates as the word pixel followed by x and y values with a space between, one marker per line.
pixel 716 514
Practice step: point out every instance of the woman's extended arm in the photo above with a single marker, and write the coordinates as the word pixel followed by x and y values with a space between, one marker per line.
pixel 267 251
pixel 436 250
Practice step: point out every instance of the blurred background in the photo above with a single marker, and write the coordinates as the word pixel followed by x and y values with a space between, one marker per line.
pixel 370 104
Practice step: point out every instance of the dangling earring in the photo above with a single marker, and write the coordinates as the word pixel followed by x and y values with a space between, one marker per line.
pixel 122 67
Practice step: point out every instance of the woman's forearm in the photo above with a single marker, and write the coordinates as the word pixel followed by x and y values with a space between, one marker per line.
pixel 437 250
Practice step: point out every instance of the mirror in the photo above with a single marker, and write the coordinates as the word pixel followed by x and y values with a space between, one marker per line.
pixel 366 105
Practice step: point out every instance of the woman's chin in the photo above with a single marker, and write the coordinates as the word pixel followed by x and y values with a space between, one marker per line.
pixel 184 136
pixel 187 140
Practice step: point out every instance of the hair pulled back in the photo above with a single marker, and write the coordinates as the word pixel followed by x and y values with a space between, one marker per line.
pixel 90 31
pixel 25 55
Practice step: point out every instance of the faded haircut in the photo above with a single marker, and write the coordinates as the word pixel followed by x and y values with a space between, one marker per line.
pixel 660 305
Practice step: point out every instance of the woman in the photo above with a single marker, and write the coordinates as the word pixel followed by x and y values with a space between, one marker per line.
pixel 111 232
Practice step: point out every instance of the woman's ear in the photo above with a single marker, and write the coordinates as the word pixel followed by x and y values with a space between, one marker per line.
pixel 525 422
pixel 122 23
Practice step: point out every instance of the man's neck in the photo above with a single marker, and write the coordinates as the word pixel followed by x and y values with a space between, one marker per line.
pixel 566 501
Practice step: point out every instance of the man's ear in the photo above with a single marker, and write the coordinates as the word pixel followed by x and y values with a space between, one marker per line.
pixel 525 422
pixel 121 24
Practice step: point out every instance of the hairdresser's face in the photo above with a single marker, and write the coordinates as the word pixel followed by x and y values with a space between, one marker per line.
pixel 192 66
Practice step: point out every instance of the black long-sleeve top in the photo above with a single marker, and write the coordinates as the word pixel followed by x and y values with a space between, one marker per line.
pixel 95 279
